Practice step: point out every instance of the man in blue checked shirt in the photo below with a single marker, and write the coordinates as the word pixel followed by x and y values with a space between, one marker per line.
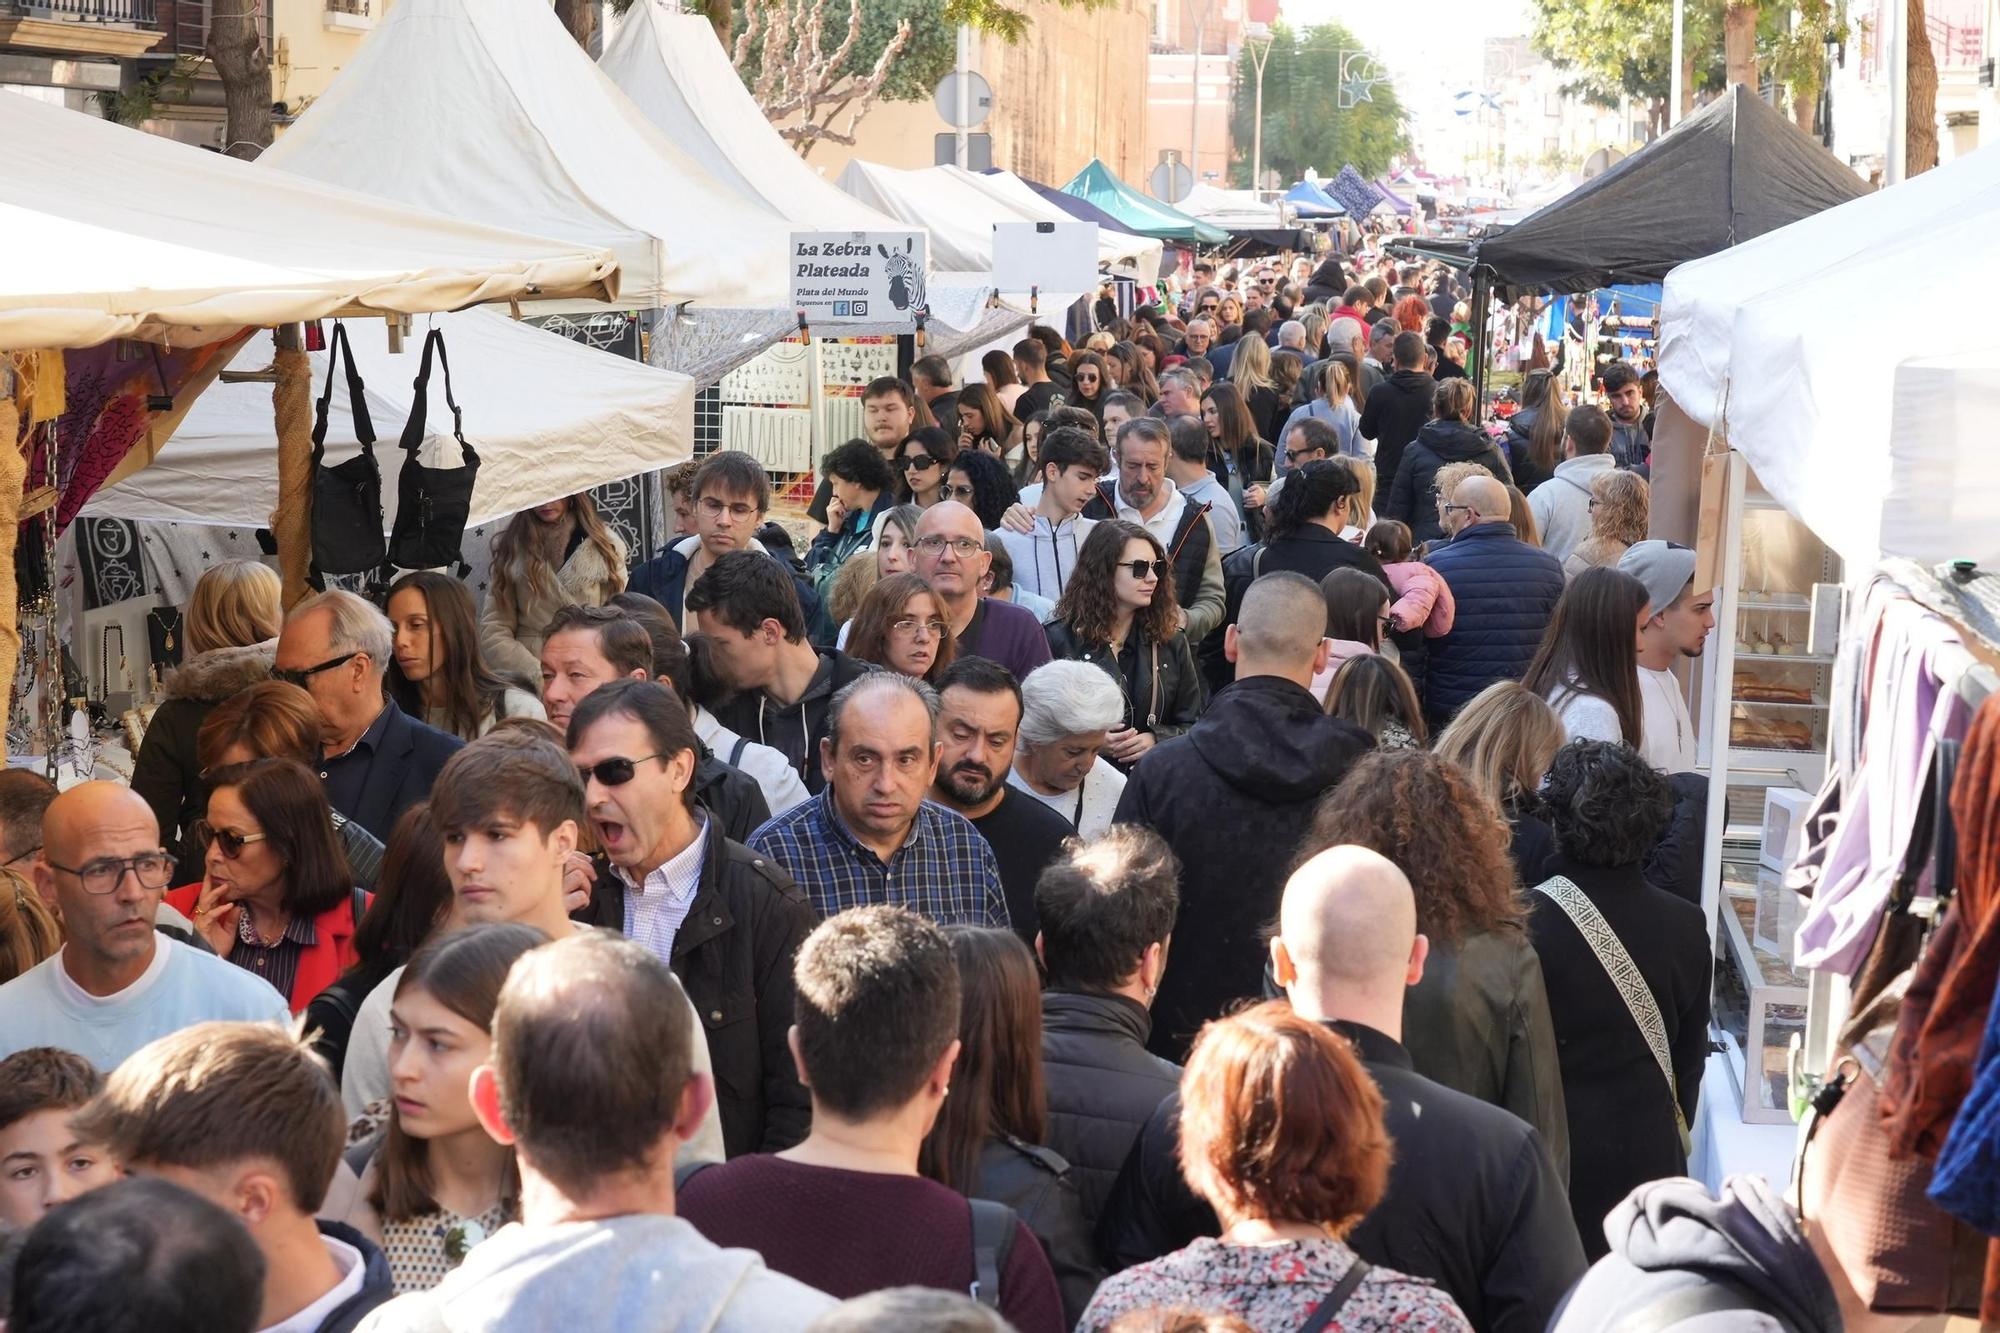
pixel 870 837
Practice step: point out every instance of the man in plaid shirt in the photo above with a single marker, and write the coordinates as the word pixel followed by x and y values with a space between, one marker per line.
pixel 870 837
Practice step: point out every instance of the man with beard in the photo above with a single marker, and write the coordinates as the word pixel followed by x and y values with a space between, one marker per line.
pixel 979 720
pixel 888 415
pixel 1625 400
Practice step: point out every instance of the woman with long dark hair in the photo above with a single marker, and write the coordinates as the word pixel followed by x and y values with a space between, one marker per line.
pixel 1479 1020
pixel 923 460
pixel 432 1183
pixel 981 482
pixel 984 423
pixel 1134 376
pixel 438 673
pixel 1357 615
pixel 1376 695
pixel 902 627
pixel 1535 432
pixel 1240 458
pixel 1118 612
pixel 1093 381
pixel 1002 377
pixel 277 898
pixel 1588 664
pixel 987 1140
pixel 1448 437
pixel 554 555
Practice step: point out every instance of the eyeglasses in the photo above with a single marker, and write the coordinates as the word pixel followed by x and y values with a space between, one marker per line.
pixel 964 547
pixel 615 772
pixel 152 869
pixel 908 626
pixel 1140 568
pixel 19 857
pixel 959 493
pixel 231 843
pixel 919 463
pixel 1293 456
pixel 1457 509
pixel 300 675
pixel 715 508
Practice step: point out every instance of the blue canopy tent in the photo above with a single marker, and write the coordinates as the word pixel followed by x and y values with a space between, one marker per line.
pixel 1313 203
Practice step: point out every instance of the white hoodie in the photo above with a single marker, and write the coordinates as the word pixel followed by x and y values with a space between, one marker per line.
pixel 1043 559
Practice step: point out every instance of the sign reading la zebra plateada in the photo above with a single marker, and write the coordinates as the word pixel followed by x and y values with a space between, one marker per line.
pixel 875 278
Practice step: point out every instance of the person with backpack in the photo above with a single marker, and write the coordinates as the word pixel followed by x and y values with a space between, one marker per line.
pixel 846 1211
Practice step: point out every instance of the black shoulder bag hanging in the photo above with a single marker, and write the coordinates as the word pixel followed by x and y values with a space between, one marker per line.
pixel 347 497
pixel 432 503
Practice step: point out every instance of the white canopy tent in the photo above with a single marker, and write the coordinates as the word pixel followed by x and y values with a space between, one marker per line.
pixel 1864 429
pixel 545 414
pixel 962 209
pixel 487 109
pixel 1121 250
pixel 1229 208
pixel 112 233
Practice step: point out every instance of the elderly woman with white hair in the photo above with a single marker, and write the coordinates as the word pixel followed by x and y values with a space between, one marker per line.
pixel 1067 708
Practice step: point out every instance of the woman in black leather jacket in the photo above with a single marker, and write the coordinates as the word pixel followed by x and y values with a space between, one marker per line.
pixel 1118 612
pixel 987 1140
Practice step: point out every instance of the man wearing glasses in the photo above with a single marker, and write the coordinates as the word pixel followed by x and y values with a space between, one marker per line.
pixel 117 984
pixel 376 761
pixel 729 497
pixel 950 555
pixel 726 920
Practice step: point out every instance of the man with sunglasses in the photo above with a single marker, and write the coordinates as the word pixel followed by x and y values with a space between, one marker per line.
pixel 729 497
pixel 1505 592
pixel 726 920
pixel 116 983
pixel 375 760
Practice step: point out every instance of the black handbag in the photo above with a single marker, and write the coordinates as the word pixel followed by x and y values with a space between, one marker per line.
pixel 432 503
pixel 347 497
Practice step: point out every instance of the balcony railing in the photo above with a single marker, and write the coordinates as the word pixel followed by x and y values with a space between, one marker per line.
pixel 130 13
pixel 357 7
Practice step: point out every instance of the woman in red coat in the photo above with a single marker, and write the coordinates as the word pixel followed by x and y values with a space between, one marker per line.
pixel 277 898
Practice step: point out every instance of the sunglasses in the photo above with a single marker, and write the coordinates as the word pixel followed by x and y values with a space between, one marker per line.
pixel 1293 456
pixel 919 463
pixel 959 493
pixel 614 772
pixel 1141 568
pixel 300 675
pixel 231 844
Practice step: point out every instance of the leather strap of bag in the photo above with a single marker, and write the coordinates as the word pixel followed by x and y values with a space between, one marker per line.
pixel 414 428
pixel 357 401
pixel 1323 1313
pixel 1625 975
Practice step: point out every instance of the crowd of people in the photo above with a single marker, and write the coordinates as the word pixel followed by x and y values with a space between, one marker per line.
pixel 1204 837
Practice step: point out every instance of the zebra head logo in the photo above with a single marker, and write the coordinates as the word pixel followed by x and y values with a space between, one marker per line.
pixel 906 276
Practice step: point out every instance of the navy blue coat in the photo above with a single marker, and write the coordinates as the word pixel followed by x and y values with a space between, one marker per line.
pixel 664 579
pixel 1506 590
pixel 406 763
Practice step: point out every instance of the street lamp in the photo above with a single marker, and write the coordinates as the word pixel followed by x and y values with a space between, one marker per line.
pixel 1257 38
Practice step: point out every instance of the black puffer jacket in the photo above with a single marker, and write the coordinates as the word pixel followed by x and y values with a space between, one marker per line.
pixel 1102 1084
pixel 1232 798
pixel 1440 442
pixel 733 955
pixel 1164 695
pixel 1311 549
pixel 167 774
pixel 1035 1183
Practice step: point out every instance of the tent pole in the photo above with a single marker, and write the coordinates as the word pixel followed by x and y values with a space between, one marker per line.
pixel 291 405
pixel 1482 297
pixel 13 475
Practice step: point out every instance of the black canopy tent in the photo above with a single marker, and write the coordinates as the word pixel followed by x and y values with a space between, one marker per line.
pixel 1732 171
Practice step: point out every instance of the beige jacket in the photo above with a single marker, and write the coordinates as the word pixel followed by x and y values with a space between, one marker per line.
pixel 513 645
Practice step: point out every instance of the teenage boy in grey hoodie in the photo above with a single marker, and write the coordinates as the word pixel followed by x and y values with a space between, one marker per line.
pixel 590 1080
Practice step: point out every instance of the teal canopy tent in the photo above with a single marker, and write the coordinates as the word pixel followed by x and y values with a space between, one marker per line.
pixel 1140 213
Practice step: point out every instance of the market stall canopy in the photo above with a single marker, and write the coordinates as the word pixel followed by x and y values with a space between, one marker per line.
pixel 1138 212
pixel 1254 226
pixel 1878 437
pixel 489 110
pixel 548 416
pixel 110 232
pixel 1396 203
pixel 960 209
pixel 1734 170
pixel 1312 202
pixel 1117 247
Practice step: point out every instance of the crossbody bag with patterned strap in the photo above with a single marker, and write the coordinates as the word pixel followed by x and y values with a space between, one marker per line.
pixel 1625 975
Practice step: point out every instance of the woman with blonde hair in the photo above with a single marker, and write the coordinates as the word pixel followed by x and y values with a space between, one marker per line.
pixel 232 628
pixel 1250 372
pixel 1282 1133
pixel 1504 740
pixel 554 555
pixel 29 932
pixel 1620 505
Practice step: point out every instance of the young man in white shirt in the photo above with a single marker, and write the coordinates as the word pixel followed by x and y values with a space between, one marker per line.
pixel 244 1115
pixel 1071 462
pixel 1679 619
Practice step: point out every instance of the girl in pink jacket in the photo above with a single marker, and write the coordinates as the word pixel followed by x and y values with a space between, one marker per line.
pixel 1422 595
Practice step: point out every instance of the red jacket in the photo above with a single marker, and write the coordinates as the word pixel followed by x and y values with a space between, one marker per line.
pixel 321 962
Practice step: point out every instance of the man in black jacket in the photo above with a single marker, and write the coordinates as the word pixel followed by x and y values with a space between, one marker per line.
pixel 1473 1201
pixel 1233 797
pixel 726 920
pixel 1107 909
pixel 1398 407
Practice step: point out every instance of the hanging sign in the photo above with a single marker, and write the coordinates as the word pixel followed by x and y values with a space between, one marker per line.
pixel 859 277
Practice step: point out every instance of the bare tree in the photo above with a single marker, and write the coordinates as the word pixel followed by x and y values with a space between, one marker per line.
pixel 1920 141
pixel 242 62
pixel 799 84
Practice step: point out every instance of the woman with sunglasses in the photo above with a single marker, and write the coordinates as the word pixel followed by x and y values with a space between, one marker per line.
pixel 1093 381
pixel 277 899
pixel 982 483
pixel 901 626
pixel 438 673
pixel 1118 613
pixel 924 459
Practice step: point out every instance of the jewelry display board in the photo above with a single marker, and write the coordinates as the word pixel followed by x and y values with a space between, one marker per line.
pixel 846 365
pixel 767 407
